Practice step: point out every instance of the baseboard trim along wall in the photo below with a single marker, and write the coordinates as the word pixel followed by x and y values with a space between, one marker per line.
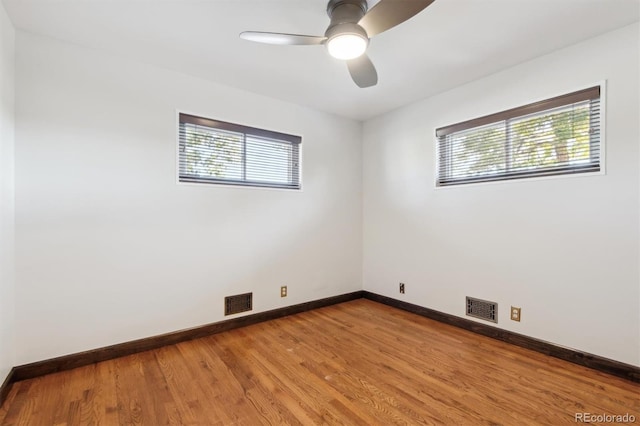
pixel 605 365
pixel 80 359
pixel 6 385
pixel 67 362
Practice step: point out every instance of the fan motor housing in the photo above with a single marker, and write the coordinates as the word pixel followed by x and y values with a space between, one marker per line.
pixel 346 28
pixel 346 11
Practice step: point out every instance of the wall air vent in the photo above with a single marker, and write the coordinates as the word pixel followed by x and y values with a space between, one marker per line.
pixel 238 303
pixel 482 309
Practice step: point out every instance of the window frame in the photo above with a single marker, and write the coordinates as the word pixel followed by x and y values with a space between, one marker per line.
pixel 247 132
pixel 515 113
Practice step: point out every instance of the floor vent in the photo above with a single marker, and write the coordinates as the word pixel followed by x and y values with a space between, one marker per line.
pixel 482 309
pixel 238 303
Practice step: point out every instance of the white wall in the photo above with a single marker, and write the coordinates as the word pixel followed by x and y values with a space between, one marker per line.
pixel 110 248
pixel 7 275
pixel 564 249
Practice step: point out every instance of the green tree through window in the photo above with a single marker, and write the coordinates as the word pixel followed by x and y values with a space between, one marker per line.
pixel 213 154
pixel 554 140
pixel 212 151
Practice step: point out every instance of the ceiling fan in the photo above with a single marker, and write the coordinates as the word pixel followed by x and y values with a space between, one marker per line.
pixel 347 37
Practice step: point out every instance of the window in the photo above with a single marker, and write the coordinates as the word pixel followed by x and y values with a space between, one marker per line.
pixel 212 151
pixel 552 137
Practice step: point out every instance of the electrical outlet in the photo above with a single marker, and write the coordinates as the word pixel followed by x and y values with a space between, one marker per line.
pixel 515 314
pixel 283 291
pixel 401 288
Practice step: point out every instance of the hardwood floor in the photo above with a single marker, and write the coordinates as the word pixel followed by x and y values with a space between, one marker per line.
pixel 358 362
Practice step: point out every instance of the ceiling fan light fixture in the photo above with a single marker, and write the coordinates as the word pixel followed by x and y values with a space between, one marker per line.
pixel 347 45
pixel 352 24
pixel 346 40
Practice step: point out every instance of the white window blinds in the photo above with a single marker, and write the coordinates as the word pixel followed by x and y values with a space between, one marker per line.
pixel 556 136
pixel 212 151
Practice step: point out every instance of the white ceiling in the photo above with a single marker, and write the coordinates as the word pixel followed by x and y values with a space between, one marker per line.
pixel 450 43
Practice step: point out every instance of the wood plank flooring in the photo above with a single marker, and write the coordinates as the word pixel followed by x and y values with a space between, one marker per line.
pixel 356 363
